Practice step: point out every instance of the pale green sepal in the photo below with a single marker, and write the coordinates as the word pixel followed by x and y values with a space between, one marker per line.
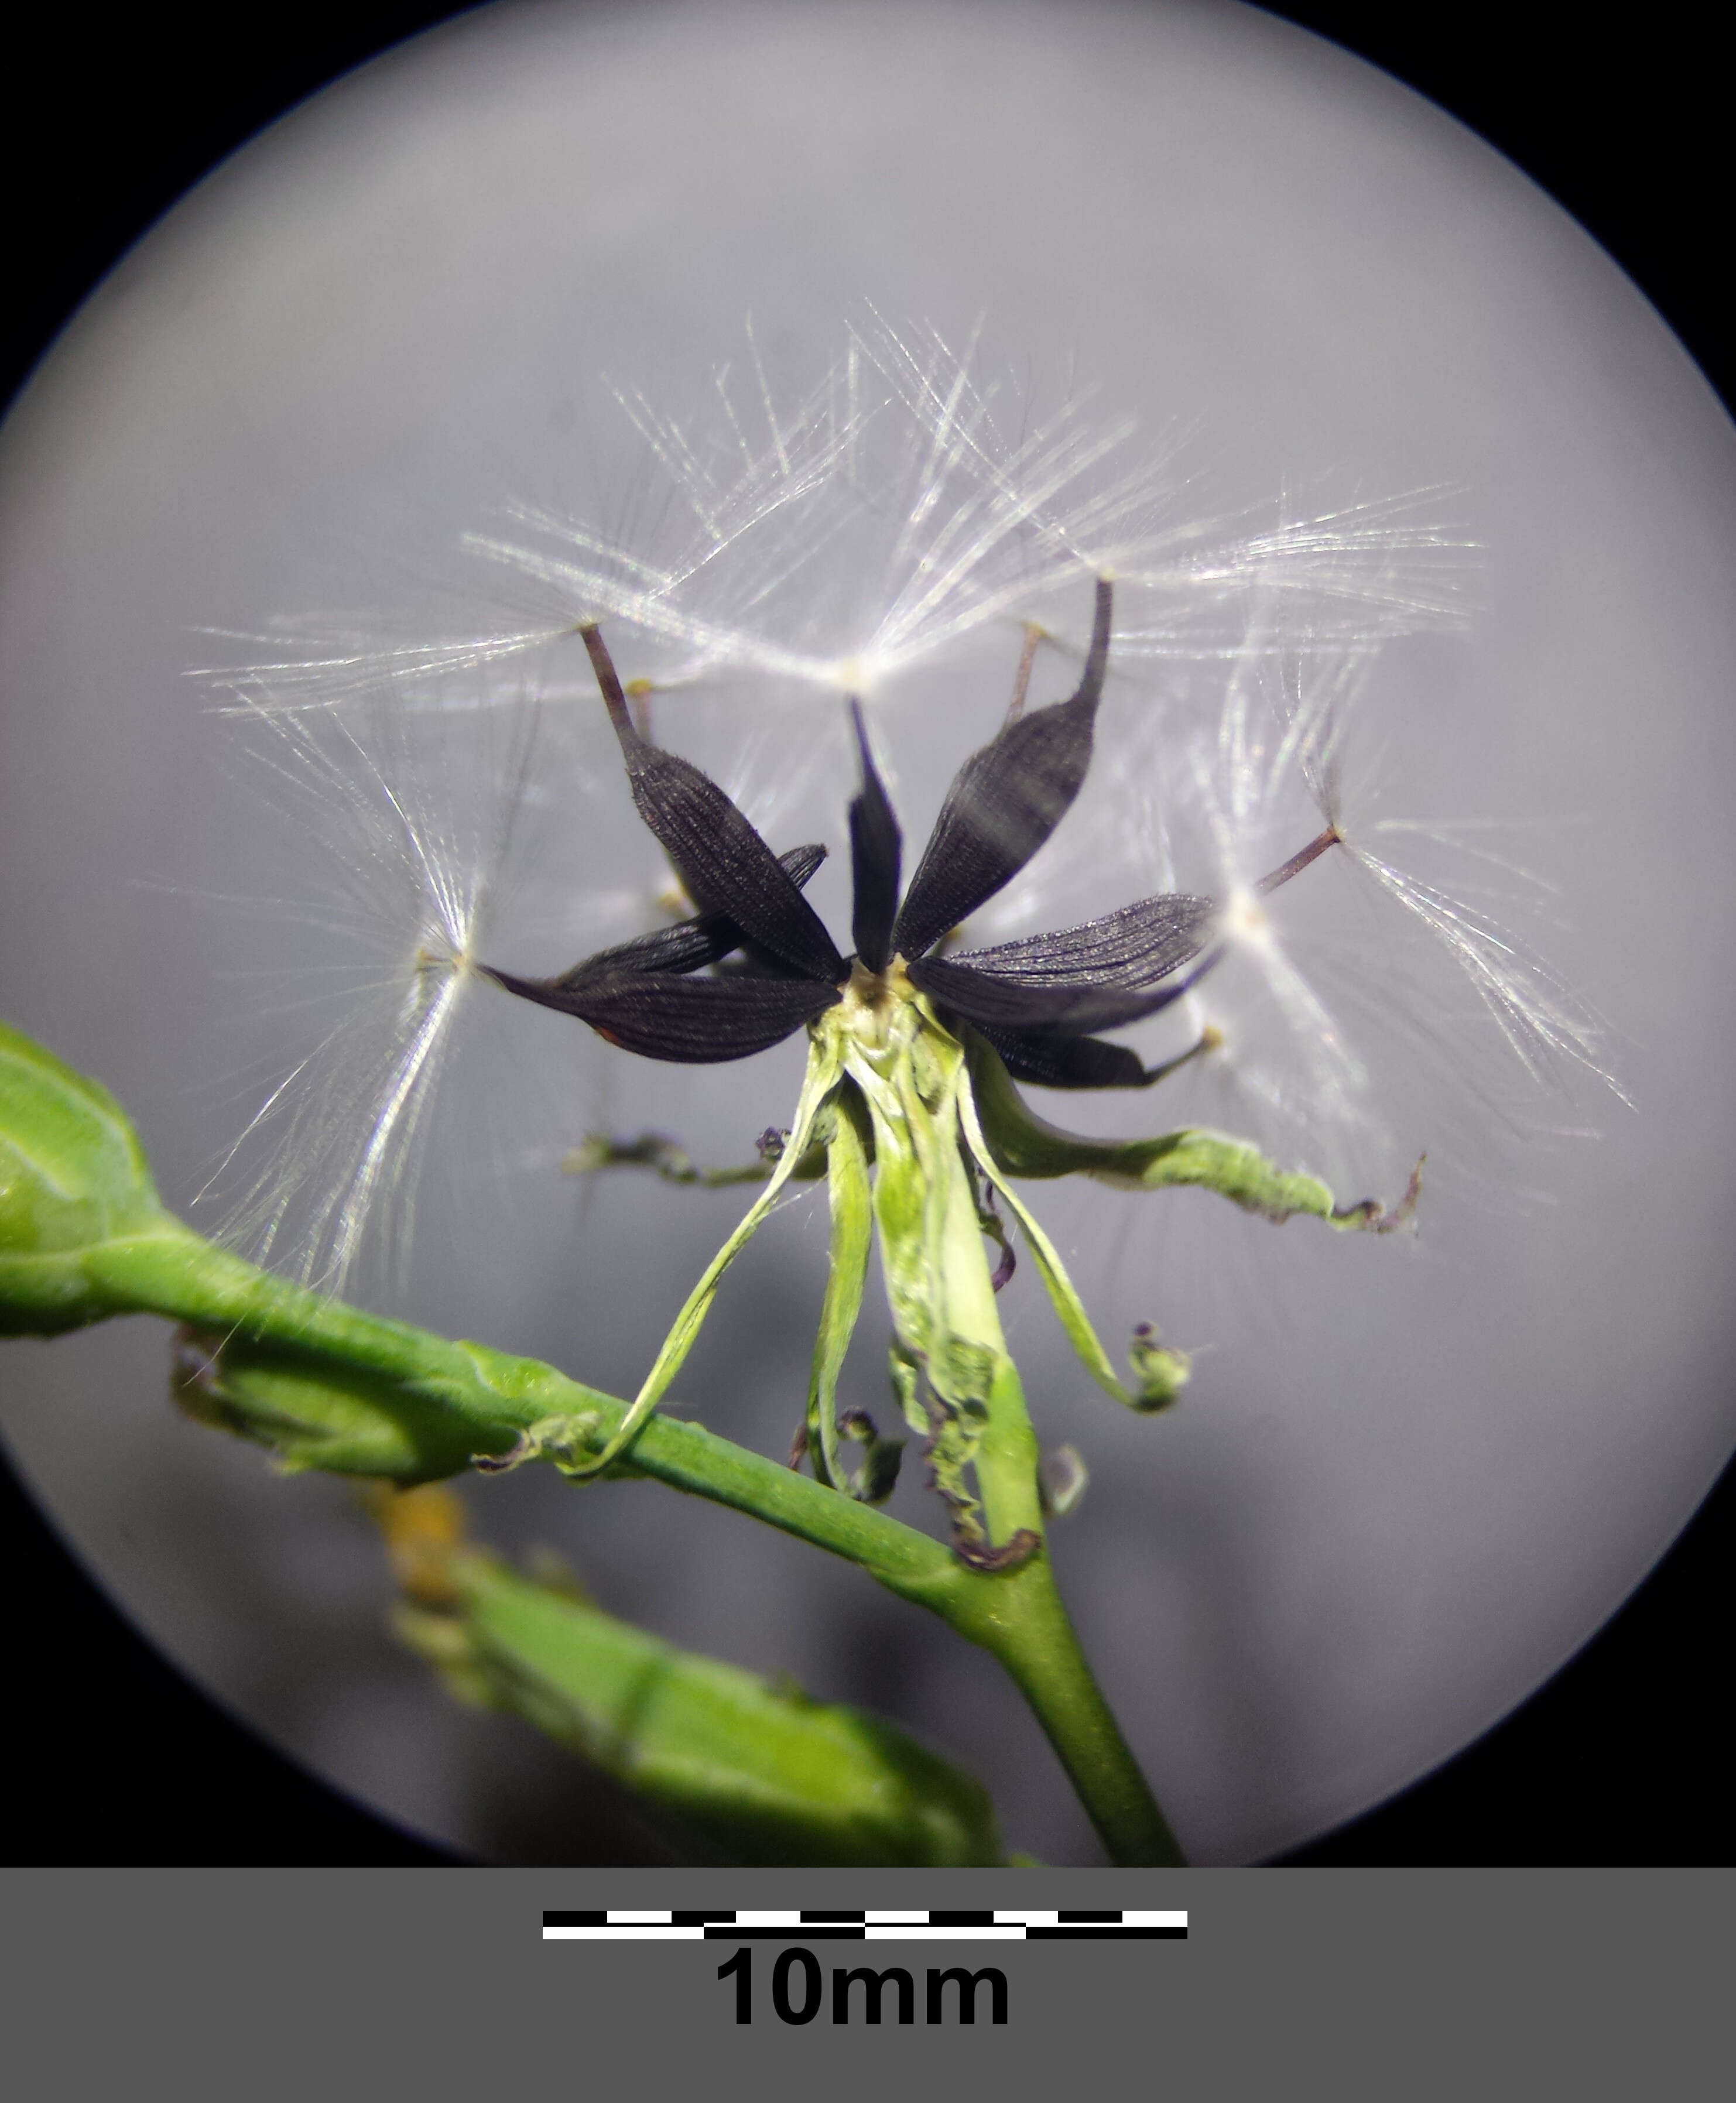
pixel 851 1200
pixel 739 1770
pixel 1063 1296
pixel 817 1085
pixel 1027 1145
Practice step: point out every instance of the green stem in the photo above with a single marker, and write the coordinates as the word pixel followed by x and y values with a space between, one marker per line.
pixel 1025 1623
pixel 1019 1617
pixel 468 1399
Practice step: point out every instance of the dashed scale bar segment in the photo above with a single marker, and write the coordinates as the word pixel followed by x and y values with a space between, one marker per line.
pixel 874 1924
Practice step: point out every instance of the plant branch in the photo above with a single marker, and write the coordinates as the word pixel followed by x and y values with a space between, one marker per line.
pixel 83 1237
pixel 273 1348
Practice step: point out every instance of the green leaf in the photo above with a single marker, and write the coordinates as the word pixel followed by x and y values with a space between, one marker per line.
pixel 1169 1366
pixel 742 1770
pixel 1023 1144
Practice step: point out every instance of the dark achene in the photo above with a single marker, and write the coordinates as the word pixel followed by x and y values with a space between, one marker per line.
pixel 1038 1001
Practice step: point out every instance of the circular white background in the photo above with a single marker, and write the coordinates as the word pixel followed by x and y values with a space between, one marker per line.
pixel 1409 1480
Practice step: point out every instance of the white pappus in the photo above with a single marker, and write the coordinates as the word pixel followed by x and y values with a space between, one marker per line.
pixel 916 530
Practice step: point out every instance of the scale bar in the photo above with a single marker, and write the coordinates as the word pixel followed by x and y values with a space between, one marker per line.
pixel 884 1924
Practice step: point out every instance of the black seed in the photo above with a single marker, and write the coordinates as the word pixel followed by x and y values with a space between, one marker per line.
pixel 1072 1010
pixel 694 1022
pixel 1004 803
pixel 876 854
pixel 1134 947
pixel 689 944
pixel 1046 1061
pixel 727 869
